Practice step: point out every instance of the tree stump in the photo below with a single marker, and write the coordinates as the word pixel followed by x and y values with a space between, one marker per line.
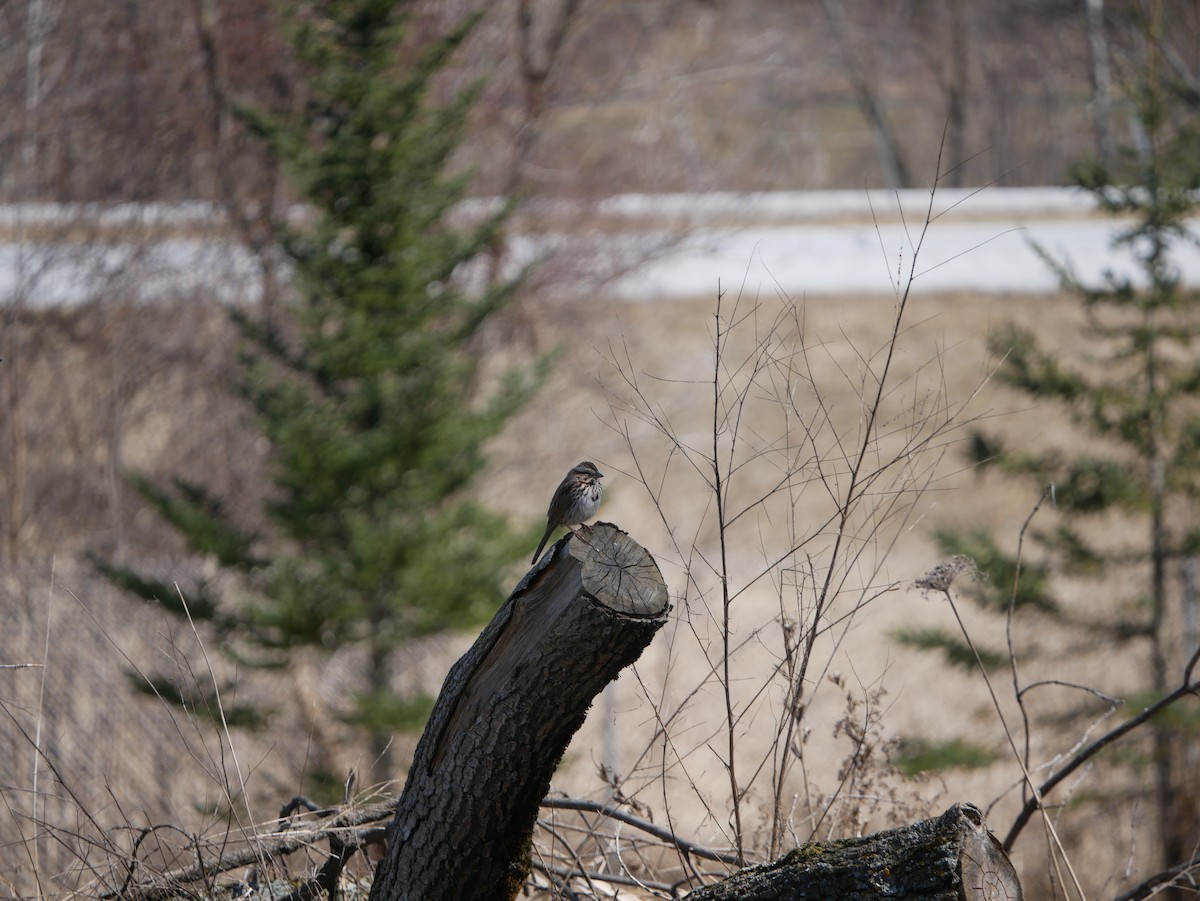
pixel 508 710
pixel 949 858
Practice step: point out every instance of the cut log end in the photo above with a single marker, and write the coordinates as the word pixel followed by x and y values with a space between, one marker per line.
pixel 618 572
pixel 986 872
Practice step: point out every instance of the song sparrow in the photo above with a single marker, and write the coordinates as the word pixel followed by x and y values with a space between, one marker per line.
pixel 576 499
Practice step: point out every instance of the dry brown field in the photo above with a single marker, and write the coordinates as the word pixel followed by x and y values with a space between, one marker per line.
pixel 114 760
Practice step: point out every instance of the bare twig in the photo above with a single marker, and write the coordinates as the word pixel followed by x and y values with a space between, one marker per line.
pixel 1028 777
pixel 720 489
pixel 1008 623
pixel 611 878
pixel 1187 687
pixel 346 827
pixel 349 829
pixel 37 734
pixel 644 825
pixel 1184 874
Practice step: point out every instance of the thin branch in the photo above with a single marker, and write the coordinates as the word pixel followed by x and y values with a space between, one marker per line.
pixel 611 878
pixel 1028 777
pixel 1188 687
pixel 351 829
pixel 1008 622
pixel 1175 875
pixel 1062 683
pixel 645 825
pixel 345 827
pixel 720 491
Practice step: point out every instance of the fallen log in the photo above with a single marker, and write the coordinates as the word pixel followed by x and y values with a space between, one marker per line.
pixel 949 858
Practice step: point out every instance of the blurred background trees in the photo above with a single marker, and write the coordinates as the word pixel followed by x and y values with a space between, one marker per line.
pixel 113 103
pixel 365 388
pixel 116 103
pixel 1123 494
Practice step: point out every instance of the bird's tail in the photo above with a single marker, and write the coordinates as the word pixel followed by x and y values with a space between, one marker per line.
pixel 541 545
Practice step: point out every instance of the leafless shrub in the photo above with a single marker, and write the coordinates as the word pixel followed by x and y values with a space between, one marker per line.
pixel 816 454
pixel 1053 759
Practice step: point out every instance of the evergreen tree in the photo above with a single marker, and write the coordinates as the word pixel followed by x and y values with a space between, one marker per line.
pixel 1132 389
pixel 367 394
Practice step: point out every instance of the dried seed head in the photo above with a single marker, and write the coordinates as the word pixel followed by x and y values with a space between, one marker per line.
pixel 942 576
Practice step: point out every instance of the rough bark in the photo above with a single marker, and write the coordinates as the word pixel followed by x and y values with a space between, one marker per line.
pixel 950 858
pixel 508 710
